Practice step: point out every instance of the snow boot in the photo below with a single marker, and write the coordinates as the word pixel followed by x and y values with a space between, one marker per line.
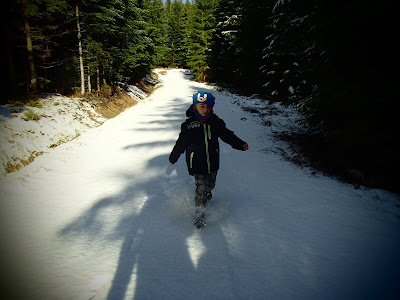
pixel 200 217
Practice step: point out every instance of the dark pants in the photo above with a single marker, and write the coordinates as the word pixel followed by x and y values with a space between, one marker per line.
pixel 204 186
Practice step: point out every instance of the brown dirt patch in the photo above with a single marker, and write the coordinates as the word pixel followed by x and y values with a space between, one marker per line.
pixel 112 106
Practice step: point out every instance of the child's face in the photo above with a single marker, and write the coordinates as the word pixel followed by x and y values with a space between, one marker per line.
pixel 203 109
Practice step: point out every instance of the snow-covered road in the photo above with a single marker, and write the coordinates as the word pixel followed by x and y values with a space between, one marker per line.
pixel 106 217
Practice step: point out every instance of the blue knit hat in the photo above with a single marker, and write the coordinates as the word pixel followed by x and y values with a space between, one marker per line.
pixel 204 97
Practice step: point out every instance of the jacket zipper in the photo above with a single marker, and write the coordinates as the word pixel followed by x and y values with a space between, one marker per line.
pixel 191 160
pixel 206 141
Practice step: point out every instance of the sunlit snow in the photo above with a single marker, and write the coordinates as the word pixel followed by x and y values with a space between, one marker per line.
pixel 105 216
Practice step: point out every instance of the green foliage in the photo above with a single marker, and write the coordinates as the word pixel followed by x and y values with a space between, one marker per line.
pixel 223 59
pixel 176 35
pixel 115 40
pixel 201 26
pixel 157 33
pixel 290 53
pixel 121 41
pixel 30 115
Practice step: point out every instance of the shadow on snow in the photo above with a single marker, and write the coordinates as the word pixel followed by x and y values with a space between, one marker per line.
pixel 161 251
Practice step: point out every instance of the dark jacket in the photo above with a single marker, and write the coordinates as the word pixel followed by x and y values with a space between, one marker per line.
pixel 200 141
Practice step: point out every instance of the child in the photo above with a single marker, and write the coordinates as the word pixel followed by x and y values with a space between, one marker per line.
pixel 199 138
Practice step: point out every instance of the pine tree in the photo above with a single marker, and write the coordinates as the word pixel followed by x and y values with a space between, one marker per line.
pixel 202 24
pixel 157 32
pixel 222 58
pixel 186 24
pixel 176 34
pixel 47 27
pixel 289 53
pixel 356 92
pixel 250 42
pixel 119 28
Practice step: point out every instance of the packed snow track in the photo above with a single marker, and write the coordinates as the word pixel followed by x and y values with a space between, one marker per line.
pixel 106 216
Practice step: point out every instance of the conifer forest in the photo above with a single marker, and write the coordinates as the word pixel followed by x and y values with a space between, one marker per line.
pixel 333 61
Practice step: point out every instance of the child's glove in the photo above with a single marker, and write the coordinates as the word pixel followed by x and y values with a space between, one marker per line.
pixel 245 147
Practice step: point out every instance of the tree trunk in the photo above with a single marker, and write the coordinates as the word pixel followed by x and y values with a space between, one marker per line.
pixel 80 51
pixel 104 78
pixel 10 92
pixel 29 47
pixel 98 78
pixel 88 79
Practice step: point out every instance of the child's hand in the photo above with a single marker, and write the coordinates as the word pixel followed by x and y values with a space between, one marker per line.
pixel 245 147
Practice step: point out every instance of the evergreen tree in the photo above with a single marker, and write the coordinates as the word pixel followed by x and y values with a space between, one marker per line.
pixel 250 42
pixel 202 24
pixel 45 25
pixel 114 42
pixel 186 24
pixel 119 27
pixel 334 63
pixel 223 61
pixel 157 32
pixel 356 98
pixel 290 54
pixel 176 34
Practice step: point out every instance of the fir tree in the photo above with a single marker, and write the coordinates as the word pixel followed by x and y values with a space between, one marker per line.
pixel 176 34
pixel 250 42
pixel 290 53
pixel 157 32
pixel 223 50
pixel 202 24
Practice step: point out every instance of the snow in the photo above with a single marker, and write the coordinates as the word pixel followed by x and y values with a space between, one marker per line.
pixel 227 32
pixel 59 120
pixel 105 216
pixel 136 92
